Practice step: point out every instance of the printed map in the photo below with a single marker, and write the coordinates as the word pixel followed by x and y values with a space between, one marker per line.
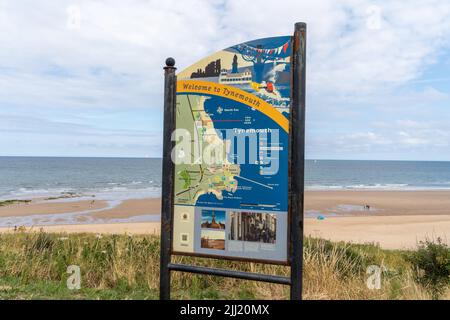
pixel 194 180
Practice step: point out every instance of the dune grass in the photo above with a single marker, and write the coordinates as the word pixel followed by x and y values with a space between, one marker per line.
pixel 34 266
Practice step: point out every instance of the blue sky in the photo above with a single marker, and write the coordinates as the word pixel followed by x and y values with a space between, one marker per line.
pixel 84 78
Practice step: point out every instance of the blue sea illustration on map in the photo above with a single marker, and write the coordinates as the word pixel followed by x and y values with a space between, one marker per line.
pixel 267 192
pixel 262 68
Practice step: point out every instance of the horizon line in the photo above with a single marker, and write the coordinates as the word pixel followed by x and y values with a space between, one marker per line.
pixel 132 157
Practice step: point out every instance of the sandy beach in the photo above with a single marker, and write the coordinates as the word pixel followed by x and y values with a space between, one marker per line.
pixel 394 219
pixel 382 203
pixel 390 232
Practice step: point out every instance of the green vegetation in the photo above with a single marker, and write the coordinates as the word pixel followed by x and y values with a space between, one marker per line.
pixel 186 177
pixel 34 266
pixel 11 202
pixel 432 266
pixel 66 195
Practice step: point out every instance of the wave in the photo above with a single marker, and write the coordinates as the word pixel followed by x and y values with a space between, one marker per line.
pixel 27 193
pixel 110 193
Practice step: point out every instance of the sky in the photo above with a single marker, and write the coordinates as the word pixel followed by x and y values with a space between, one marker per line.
pixel 85 78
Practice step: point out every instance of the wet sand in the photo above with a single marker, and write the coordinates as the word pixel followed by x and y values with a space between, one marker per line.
pixel 60 212
pixel 338 203
pixel 131 208
pixel 39 207
pixel 127 208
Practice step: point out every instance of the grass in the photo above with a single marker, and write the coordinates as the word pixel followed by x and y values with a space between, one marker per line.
pixel 11 202
pixel 34 265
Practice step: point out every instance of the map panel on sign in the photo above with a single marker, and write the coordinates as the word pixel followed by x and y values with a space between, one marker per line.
pixel 231 151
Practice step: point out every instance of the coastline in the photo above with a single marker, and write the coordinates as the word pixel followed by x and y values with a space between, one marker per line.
pixel 394 220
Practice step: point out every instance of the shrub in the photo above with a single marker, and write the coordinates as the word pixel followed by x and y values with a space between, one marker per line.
pixel 432 266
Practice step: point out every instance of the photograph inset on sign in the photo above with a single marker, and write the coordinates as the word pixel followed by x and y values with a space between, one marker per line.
pixel 253 226
pixel 212 239
pixel 213 219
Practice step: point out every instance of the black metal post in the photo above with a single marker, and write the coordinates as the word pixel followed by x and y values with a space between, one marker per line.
pixel 230 273
pixel 170 83
pixel 297 157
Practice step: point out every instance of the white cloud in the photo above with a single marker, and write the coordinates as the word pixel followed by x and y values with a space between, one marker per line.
pixel 128 40
pixel 32 136
pixel 396 139
pixel 409 140
pixel 411 124
pixel 134 37
pixel 362 140
pixel 346 55
pixel 85 55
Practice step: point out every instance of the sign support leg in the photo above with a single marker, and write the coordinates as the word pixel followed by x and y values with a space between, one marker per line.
pixel 297 172
pixel 170 82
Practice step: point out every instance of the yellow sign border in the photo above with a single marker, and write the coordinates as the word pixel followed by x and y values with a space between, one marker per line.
pixel 236 94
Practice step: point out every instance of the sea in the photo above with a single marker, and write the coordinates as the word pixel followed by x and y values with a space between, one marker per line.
pixel 131 178
pixel 115 180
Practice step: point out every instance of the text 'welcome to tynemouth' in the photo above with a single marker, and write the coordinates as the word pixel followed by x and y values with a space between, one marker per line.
pixel 219 90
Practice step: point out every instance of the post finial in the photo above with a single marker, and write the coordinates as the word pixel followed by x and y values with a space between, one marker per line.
pixel 170 62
